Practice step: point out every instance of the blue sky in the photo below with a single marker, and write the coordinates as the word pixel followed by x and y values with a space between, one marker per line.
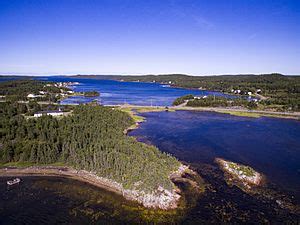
pixel 194 37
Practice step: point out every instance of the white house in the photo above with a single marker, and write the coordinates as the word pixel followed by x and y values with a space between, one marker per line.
pixel 32 96
pixel 200 97
pixel 48 113
pixel 249 93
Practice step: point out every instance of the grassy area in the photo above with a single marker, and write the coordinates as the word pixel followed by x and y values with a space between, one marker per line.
pixel 17 164
pixel 133 114
pixel 151 109
pixel 255 114
pixel 246 114
pixel 132 111
pixel 28 164
pixel 246 170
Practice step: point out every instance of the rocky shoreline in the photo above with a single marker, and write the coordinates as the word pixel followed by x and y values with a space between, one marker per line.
pixel 241 173
pixel 160 198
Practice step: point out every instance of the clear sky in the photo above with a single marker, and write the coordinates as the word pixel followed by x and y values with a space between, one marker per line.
pixel 197 37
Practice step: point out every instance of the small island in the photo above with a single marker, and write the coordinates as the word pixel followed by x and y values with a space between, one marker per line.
pixel 240 173
pixel 91 94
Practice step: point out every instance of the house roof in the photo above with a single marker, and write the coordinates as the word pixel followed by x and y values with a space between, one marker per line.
pixel 48 111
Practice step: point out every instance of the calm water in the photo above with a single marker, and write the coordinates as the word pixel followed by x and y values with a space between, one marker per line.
pixel 136 93
pixel 270 145
pixel 56 200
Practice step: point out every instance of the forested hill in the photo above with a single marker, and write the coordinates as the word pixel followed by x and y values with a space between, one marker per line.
pixel 92 139
pixel 218 82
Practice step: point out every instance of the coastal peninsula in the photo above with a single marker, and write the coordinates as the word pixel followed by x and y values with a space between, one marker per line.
pixel 89 143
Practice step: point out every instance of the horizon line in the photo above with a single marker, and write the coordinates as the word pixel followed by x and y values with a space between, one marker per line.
pixel 80 74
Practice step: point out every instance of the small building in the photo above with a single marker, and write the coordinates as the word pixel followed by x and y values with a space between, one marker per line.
pixel 249 93
pixel 200 97
pixel 48 113
pixel 258 91
pixel 32 96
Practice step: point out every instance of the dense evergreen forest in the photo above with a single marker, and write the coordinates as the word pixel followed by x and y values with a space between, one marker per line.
pixel 214 101
pixel 218 101
pixel 91 138
pixel 19 89
pixel 182 99
pixel 280 90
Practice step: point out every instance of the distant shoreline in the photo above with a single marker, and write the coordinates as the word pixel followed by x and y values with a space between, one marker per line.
pixel 231 111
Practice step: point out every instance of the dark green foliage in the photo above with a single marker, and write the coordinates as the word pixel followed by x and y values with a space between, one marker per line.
pixel 91 138
pixel 91 94
pixel 182 99
pixel 216 101
pixel 16 90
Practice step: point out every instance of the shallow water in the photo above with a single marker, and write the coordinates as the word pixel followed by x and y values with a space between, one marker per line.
pixel 269 145
pixel 58 200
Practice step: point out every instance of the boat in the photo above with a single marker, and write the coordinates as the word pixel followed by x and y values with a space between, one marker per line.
pixel 14 181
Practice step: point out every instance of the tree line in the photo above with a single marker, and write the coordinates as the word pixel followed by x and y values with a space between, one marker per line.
pixel 91 138
pixel 17 90
pixel 214 101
